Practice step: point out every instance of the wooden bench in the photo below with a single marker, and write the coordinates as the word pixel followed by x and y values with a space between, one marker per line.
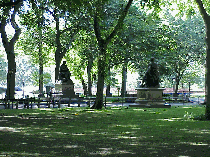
pixel 29 102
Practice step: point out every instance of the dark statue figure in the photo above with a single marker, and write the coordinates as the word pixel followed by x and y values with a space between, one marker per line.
pixel 151 78
pixel 64 72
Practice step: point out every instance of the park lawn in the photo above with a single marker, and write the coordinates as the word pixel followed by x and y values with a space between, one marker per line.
pixel 108 132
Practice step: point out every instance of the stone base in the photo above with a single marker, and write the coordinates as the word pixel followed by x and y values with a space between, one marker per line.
pixel 150 97
pixel 150 106
pixel 67 89
pixel 150 102
pixel 150 93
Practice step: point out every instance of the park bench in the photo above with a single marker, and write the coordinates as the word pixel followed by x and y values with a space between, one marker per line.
pixel 176 99
pixel 130 98
pixel 54 101
pixel 9 103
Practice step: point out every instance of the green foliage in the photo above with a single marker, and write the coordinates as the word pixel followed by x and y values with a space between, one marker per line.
pixel 29 45
pixel 24 69
pixel 46 78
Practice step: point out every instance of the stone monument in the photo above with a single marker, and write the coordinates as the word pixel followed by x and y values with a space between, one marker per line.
pixel 67 84
pixel 150 94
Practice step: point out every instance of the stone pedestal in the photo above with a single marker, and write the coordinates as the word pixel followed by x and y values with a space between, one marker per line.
pixel 150 97
pixel 67 89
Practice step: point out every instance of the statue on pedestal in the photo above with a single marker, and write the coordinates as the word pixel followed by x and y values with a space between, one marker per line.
pixel 67 83
pixel 64 74
pixel 151 77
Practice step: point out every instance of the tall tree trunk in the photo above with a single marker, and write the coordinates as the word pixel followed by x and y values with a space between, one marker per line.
pixel 124 79
pixel 41 74
pixel 208 70
pixel 9 45
pixel 101 76
pixel 206 19
pixel 84 86
pixel 41 66
pixel 102 43
pixel 108 86
pixel 11 74
pixel 89 67
pixel 177 80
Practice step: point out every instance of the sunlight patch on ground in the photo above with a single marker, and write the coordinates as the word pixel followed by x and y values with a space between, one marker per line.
pixel 45 109
pixel 8 116
pixel 78 134
pixel 19 153
pixel 126 137
pixel 137 109
pixel 195 143
pixel 199 131
pixel 72 146
pixel 109 151
pixel 129 126
pixel 170 119
pixel 8 129
pixel 114 108
pixel 136 128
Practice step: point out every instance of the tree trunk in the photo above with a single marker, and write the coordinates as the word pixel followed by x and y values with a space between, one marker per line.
pixel 41 74
pixel 84 87
pixel 100 84
pixel 206 19
pixel 89 67
pixel 177 80
pixel 108 87
pixel 124 79
pixel 9 45
pixel 11 74
pixel 208 70
pixel 41 66
pixel 102 43
pixel 58 59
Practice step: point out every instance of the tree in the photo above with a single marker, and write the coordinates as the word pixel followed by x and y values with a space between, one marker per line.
pixel 9 44
pixel 85 47
pixel 62 44
pixel 102 44
pixel 37 37
pixel 185 46
pixel 204 7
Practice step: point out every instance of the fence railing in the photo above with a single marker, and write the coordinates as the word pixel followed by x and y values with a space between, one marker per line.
pixel 56 102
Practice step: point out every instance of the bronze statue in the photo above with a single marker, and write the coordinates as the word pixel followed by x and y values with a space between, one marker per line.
pixel 151 78
pixel 65 74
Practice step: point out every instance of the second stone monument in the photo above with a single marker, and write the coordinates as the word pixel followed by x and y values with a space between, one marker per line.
pixel 150 94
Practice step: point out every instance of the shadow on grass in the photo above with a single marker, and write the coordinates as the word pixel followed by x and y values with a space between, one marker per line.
pixel 111 132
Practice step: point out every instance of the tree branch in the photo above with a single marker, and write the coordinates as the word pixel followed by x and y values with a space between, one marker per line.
pixel 120 22
pixel 202 10
pixel 2 27
pixel 7 4
pixel 14 24
pixel 71 28
pixel 97 29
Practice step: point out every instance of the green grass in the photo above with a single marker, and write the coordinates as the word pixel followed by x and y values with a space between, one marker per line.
pixel 108 132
